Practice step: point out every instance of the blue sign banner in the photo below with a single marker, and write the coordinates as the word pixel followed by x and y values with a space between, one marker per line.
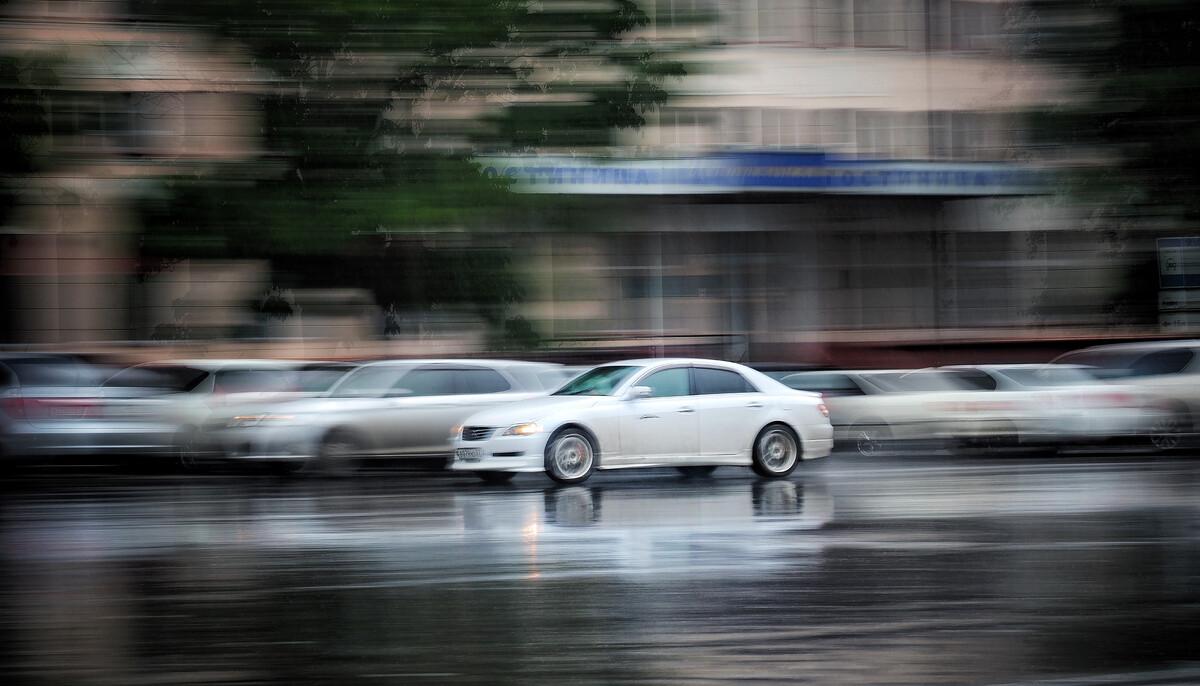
pixel 766 172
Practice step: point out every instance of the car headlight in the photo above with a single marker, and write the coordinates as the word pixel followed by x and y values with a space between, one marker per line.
pixel 527 429
pixel 243 420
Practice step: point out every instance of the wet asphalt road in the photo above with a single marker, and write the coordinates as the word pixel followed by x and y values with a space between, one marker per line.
pixel 1077 569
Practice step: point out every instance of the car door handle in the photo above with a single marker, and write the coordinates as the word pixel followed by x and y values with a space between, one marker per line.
pixel 649 416
pixel 686 410
pixel 756 405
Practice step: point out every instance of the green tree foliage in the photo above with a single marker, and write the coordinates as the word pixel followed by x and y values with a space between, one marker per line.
pixel 22 121
pixel 373 110
pixel 1132 118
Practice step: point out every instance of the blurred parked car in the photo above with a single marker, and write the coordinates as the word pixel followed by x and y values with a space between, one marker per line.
pixel 1168 369
pixel 873 411
pixel 1070 405
pixel 690 414
pixel 185 393
pixel 384 409
pixel 52 405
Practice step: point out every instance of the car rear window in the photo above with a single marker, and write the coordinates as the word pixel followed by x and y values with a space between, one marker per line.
pixel 168 378
pixel 50 371
pixel 827 383
pixel 714 381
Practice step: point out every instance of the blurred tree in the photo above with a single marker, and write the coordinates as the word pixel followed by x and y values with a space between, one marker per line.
pixel 372 112
pixel 22 121
pixel 1131 120
pixel 1127 129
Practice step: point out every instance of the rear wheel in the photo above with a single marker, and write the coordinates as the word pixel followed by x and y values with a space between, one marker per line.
pixel 1166 433
pixel 190 450
pixel 570 456
pixel 870 439
pixel 340 454
pixel 776 451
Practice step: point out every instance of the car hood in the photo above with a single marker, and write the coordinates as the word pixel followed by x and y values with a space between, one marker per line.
pixel 535 409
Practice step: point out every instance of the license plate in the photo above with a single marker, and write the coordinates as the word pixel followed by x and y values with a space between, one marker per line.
pixel 469 454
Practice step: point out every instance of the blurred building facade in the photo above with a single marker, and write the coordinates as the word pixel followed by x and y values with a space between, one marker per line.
pixel 752 267
pixel 914 85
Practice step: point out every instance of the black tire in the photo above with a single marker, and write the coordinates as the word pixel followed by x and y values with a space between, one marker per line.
pixel 340 454
pixel 1006 439
pixel 697 471
pixel 494 477
pixel 871 440
pixel 776 451
pixel 190 451
pixel 570 456
pixel 1167 432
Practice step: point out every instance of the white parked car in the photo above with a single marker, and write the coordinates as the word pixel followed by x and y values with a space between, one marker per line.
pixel 1065 405
pixel 183 394
pixel 380 411
pixel 1168 369
pixel 880 411
pixel 688 413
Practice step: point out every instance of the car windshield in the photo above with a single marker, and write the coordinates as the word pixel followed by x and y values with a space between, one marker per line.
pixel 598 381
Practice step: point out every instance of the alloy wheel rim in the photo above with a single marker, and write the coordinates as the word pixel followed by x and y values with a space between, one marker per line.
pixel 778 451
pixel 572 456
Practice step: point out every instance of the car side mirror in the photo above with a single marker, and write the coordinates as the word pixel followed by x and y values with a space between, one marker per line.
pixel 640 392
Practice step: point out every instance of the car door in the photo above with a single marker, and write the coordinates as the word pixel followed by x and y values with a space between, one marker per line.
pixel 435 399
pixel 661 426
pixel 729 411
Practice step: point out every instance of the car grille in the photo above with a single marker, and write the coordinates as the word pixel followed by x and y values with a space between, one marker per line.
pixel 477 433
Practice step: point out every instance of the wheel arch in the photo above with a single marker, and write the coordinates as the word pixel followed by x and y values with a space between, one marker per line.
pixel 572 424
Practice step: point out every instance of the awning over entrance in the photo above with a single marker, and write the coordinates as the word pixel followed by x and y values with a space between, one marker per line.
pixel 769 172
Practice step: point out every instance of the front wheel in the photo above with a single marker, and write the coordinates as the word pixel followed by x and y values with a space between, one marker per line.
pixel 776 451
pixel 339 454
pixel 570 456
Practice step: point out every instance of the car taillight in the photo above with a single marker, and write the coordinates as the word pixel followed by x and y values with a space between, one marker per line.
pixel 1112 400
pixel 50 408
pixel 823 410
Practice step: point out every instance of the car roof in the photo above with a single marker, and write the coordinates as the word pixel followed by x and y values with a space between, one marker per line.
pixel 218 364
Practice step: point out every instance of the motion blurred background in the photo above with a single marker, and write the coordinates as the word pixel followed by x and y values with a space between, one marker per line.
pixel 812 181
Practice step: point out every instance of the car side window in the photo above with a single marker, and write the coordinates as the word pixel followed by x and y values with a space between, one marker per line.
pixel 711 381
pixel 668 383
pixel 973 379
pixel 482 380
pixel 1161 362
pixel 427 382
pixel 822 382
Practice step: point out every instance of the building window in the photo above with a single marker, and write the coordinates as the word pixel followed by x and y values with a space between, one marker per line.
pixel 891 135
pixel 811 23
pixel 889 24
pixel 977 26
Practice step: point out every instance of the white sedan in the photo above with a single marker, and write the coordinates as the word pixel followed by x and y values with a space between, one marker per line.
pixel 687 413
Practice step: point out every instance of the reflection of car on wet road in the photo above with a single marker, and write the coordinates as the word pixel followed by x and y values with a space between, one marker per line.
pixel 384 409
pixel 690 414
pixel 1168 369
